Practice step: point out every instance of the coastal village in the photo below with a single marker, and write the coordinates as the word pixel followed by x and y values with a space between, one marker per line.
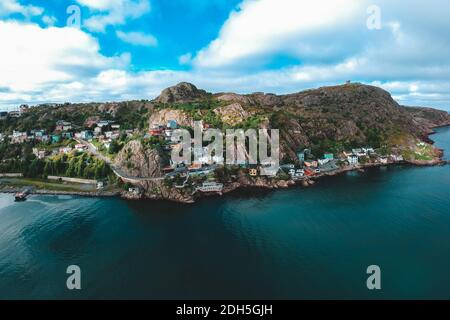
pixel 104 153
pixel 100 137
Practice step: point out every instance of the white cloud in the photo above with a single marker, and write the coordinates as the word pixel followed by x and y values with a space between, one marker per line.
pixel 137 38
pixel 37 59
pixel 113 12
pixel 8 7
pixel 267 27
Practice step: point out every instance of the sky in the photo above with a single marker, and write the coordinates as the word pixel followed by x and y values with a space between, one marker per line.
pixel 114 50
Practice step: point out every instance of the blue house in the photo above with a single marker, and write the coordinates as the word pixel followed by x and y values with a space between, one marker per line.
pixel 56 138
pixel 172 124
pixel 67 135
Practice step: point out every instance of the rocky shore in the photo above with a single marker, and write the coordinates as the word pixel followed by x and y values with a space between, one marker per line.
pixel 160 192
pixel 245 182
pixel 157 190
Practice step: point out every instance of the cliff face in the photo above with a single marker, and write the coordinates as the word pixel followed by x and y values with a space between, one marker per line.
pixel 428 118
pixel 232 114
pixel 161 117
pixel 136 161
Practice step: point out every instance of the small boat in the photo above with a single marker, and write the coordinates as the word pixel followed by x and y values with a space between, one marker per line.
pixel 22 195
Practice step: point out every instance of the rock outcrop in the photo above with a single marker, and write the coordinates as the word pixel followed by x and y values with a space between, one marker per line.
pixel 232 114
pixel 163 116
pixel 136 161
pixel 181 93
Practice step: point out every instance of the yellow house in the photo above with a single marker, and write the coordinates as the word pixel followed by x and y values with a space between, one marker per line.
pixel 253 172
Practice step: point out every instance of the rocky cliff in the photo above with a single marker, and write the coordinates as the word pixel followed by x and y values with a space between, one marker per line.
pixel 137 161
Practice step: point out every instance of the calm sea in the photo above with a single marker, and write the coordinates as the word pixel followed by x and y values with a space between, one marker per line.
pixel 297 243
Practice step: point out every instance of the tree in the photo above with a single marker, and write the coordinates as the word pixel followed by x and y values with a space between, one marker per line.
pixel 114 147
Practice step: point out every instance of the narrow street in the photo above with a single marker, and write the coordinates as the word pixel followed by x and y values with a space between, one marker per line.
pixel 117 171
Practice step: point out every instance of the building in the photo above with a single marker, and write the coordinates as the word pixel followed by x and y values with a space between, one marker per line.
pixel 172 124
pixel 353 159
pixel 3 115
pixel 56 138
pixel 329 166
pixel 135 190
pixel 86 135
pixel 397 158
pixel 253 172
pixel 80 147
pixel 23 108
pixel 14 114
pixel 98 131
pixel 66 135
pixel 104 123
pixel 359 152
pixel 19 137
pixel 112 135
pixel 155 132
pixel 210 187
pixel 40 154
pixel 292 173
pixel 38 134
pixel 65 150
pixel 311 164
pixel 62 125
pixel 328 156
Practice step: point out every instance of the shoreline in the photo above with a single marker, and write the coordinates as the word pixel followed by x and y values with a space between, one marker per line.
pixel 13 190
pixel 231 187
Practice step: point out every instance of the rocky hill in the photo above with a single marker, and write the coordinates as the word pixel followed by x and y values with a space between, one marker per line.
pixel 325 119
pixel 182 92
pixel 137 161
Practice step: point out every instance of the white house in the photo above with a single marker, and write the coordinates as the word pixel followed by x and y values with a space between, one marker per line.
pixel 353 159
pixel 397 158
pixel 80 147
pixel 65 150
pixel 323 161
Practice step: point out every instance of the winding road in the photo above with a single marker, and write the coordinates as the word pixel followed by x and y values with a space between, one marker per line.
pixel 117 171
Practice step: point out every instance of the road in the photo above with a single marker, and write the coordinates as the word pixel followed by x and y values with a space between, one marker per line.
pixel 117 171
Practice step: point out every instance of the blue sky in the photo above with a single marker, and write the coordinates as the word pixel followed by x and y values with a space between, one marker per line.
pixel 131 49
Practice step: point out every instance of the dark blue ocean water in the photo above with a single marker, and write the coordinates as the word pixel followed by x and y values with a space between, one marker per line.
pixel 297 243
